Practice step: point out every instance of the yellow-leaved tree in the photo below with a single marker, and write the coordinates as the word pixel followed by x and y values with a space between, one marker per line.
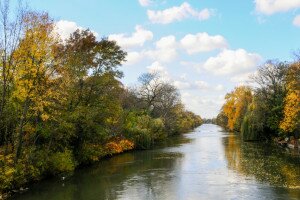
pixel 235 106
pixel 291 118
pixel 35 75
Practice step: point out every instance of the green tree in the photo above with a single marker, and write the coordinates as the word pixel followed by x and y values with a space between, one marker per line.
pixel 89 69
pixel 270 94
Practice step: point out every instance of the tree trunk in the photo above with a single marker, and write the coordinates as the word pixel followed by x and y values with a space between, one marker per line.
pixel 20 132
pixel 296 143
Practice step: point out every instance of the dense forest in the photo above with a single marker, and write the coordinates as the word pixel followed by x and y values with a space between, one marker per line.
pixel 62 103
pixel 270 108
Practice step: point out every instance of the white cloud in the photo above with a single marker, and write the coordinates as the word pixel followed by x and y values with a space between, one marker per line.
pixel 145 3
pixel 230 62
pixel 165 50
pixel 206 106
pixel 156 67
pixel 65 28
pixel 196 85
pixel 162 55
pixel 201 85
pixel 202 42
pixel 166 42
pixel 269 7
pixel 182 85
pixel 179 13
pixel 137 39
pixel 245 79
pixel 241 78
pixel 183 76
pixel 179 82
pixel 296 21
pixel 219 87
pixel 133 58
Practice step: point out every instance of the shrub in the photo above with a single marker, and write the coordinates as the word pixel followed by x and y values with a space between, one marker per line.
pixel 7 172
pixel 126 145
pixel 91 153
pixel 62 162
pixel 113 148
pixel 143 130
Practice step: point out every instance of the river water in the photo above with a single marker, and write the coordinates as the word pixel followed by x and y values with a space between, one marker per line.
pixel 204 164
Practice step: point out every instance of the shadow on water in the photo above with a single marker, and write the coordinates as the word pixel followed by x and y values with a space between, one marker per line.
pixel 109 178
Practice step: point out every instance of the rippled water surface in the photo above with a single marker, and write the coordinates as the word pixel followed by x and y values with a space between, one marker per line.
pixel 204 164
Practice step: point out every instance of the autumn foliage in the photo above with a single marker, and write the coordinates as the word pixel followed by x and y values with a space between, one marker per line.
pixel 62 104
pixel 115 147
pixel 270 109
pixel 236 106
pixel 291 120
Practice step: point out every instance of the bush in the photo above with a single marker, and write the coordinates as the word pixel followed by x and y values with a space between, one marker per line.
pixel 143 130
pixel 91 153
pixel 15 175
pixel 143 139
pixel 7 172
pixel 126 145
pixel 113 148
pixel 252 125
pixel 62 162
pixel 247 131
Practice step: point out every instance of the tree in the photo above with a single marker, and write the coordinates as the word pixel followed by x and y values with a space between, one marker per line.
pixel 235 106
pixel 160 99
pixel 291 119
pixel 11 27
pixel 150 89
pixel 34 80
pixel 222 119
pixel 62 103
pixel 158 96
pixel 253 124
pixel 270 93
pixel 92 90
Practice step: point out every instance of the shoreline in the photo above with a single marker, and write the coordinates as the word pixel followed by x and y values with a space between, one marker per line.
pixel 25 187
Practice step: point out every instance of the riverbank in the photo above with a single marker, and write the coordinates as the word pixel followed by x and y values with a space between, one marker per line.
pixel 268 111
pixel 113 147
pixel 183 165
pixel 288 143
pixel 59 111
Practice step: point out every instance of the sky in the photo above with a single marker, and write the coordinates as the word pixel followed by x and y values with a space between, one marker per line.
pixel 204 47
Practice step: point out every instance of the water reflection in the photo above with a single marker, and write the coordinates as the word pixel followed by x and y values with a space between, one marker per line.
pixel 267 164
pixel 110 178
pixel 204 164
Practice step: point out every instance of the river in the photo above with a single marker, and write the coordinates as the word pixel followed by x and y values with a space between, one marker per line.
pixel 204 164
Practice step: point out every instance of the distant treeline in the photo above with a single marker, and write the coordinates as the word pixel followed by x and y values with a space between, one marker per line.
pixel 270 108
pixel 62 103
pixel 209 121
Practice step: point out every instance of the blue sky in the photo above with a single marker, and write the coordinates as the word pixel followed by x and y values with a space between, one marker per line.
pixel 204 47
